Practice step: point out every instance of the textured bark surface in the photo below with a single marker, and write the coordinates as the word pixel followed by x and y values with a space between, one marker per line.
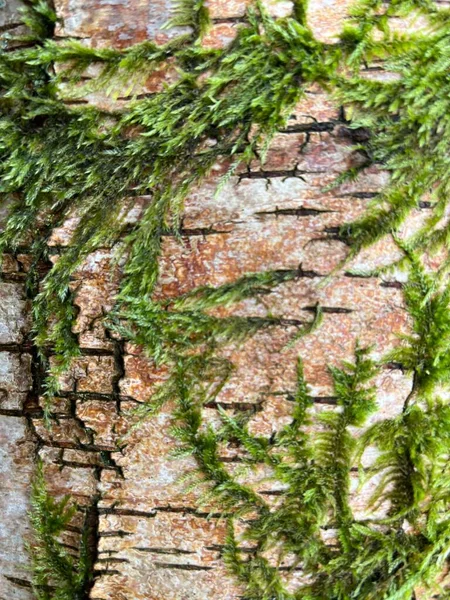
pixel 9 14
pixel 153 542
pixel 17 445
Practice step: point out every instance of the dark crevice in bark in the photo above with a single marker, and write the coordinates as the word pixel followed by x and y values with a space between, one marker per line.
pixel 25 348
pixel 86 396
pixel 117 533
pixel 128 512
pixel 101 572
pixel 186 567
pixel 312 127
pixel 194 232
pixel 239 406
pixel 397 285
pixel 236 19
pixel 358 195
pixel 333 310
pixel 23 583
pixel 119 371
pixel 352 275
pixel 295 212
pixel 92 541
pixel 168 551
pixel 269 174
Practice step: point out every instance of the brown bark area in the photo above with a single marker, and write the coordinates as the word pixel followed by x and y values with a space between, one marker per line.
pixel 153 541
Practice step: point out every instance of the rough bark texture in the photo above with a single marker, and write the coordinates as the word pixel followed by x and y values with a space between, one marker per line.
pixel 153 543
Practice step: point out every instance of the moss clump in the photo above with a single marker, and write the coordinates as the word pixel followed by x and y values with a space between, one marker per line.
pixel 57 573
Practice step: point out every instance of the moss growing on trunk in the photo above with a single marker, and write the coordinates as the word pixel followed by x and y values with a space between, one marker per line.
pixel 228 104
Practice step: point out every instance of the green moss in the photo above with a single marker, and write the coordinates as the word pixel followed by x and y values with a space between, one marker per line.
pixel 57 573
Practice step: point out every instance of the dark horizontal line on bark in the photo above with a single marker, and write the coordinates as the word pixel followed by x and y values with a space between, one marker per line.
pixel 268 174
pixel 280 321
pixel 337 310
pixel 9 26
pixel 102 572
pixel 332 400
pixel 398 285
pixel 189 511
pixel 78 102
pixel 294 212
pixel 11 412
pixel 309 274
pixel 69 547
pixel 359 195
pixel 244 406
pixel 80 78
pixel 74 529
pixel 13 277
pixel 79 446
pixel 186 567
pixel 86 396
pixel 24 348
pixel 119 533
pixel 83 447
pixel 237 19
pixel 96 352
pixel 357 275
pixel 312 127
pixel 21 46
pixel 272 492
pixel 165 551
pixel 199 231
pixel 112 559
pixel 142 96
pixel 393 366
pixel 373 68
pixel 35 412
pixel 127 512
pixel 24 583
pixel 328 400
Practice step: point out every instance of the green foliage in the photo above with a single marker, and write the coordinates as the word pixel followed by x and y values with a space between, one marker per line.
pixel 191 13
pixel 425 351
pixel 314 476
pixel 57 574
pixel 311 460
pixel 406 114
